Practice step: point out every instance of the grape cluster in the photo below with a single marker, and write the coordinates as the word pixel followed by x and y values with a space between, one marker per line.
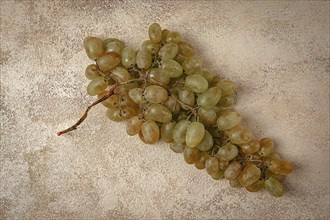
pixel 163 92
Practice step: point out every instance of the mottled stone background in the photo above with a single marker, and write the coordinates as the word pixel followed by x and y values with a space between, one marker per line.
pixel 276 51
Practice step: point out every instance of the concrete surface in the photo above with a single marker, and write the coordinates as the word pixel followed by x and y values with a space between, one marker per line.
pixel 276 51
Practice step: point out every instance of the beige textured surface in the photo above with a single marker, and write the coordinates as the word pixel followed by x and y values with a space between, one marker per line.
pixel 277 52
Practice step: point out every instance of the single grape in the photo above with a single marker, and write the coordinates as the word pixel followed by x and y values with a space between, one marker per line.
pixel 127 112
pixel 157 76
pixel 186 49
pixel 226 101
pixel 228 120
pixel 171 68
pixel 108 61
pixel 155 94
pixel 174 37
pixel 108 40
pixel 266 147
pixel 128 57
pixel 233 170
pixel 251 147
pixel 250 174
pixel 158 112
pixel 166 132
pixel 268 159
pixel 228 152
pixel 96 86
pixel 217 175
pixel 177 148
pixel 137 96
pixel 186 97
pixel 150 46
pixel 240 135
pixel 114 114
pixel 195 134
pixel 155 32
pixel 93 47
pixel 274 187
pixel 143 59
pixel 206 74
pixel 280 167
pixel 111 102
pixel 212 165
pixel 235 183
pixel 180 130
pixel 207 117
pixel 257 186
pixel 120 74
pixel 134 125
pixel 125 100
pixel 164 34
pixel 227 87
pixel 269 174
pixel 91 72
pixel 150 131
pixel 172 105
pixel 192 64
pixel 209 98
pixel 197 84
pixel 207 142
pixel 114 46
pixel 200 163
pixel 169 51
pixel 191 155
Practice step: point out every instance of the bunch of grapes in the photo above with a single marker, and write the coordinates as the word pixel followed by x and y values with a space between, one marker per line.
pixel 163 92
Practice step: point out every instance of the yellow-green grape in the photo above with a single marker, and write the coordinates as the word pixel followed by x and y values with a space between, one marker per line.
pixel 200 163
pixel 186 97
pixel 150 131
pixel 133 125
pixel 212 165
pixel 143 59
pixel 96 86
pixel 108 61
pixel 150 46
pixel 93 47
pixel 227 87
pixel 127 112
pixel 164 34
pixel 155 94
pixel 91 72
pixel 114 114
pixel 207 142
pixel 223 164
pixel 186 49
pixel 171 68
pixel 120 74
pixel 228 120
pixel 125 100
pixel 235 183
pixel 180 130
pixel 207 117
pixel 158 112
pixel 157 76
pixel 274 187
pixel 228 152
pixel 137 96
pixel 195 134
pixel 177 148
pixel 266 147
pixel 269 174
pixel 197 84
pixel 217 175
pixel 172 105
pixel 128 57
pixel 233 170
pixel 192 64
pixel 206 74
pixel 166 132
pixel 155 32
pixel 268 159
pixel 251 147
pixel 209 98
pixel 114 46
pixel 257 186
pixel 108 40
pixel 111 102
pixel 250 174
pixel 226 101
pixel 169 51
pixel 179 58
pixel 240 135
pixel 191 155
pixel 174 37
pixel 280 167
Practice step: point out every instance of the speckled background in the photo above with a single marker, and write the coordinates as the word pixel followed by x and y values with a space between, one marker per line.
pixel 276 51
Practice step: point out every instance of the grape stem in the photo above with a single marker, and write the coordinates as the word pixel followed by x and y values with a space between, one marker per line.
pixel 75 126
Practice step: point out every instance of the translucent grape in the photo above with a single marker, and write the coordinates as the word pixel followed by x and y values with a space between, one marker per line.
pixel 223 164
pixel 150 46
pixel 227 87
pixel 197 84
pixel 127 112
pixel 133 125
pixel 207 117
pixel 128 57
pixel 266 147
pixel 192 64
pixel 155 94
pixel 180 130
pixel 186 49
pixel 157 76
pixel 217 175
pixel 210 98
pixel 114 114
pixel 174 37
pixel 269 174
pixel 177 148
pixel 280 167
pixel 268 159
pixel 164 34
pixel 91 72
pixel 191 155
pixel 169 51
pixel 195 134
pixel 233 170
pixel 114 46
pixel 240 135
pixel 250 174
pixel 150 131
pixel 228 152
pixel 155 32
pixel 108 40
pixel 226 101
pixel 120 74
pixel 172 105
pixel 143 59
pixel 108 61
pixel 137 95
pixel 212 165
pixel 274 187
pixel 257 186
pixel 228 120
pixel 206 74
pixel 96 86
pixel 251 147
pixel 111 102
pixel 171 68
pixel 93 47
pixel 200 163
pixel 125 100
pixel 166 132
pixel 207 142
pixel 235 183
pixel 158 112
pixel 186 97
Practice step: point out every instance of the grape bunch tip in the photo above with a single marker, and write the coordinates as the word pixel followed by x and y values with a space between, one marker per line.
pixel 163 92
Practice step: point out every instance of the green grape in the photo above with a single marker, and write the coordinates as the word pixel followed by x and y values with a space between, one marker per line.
pixel 206 74
pixel 150 46
pixel 207 142
pixel 155 94
pixel 172 105
pixel 166 132
pixel 227 87
pixel 155 32
pixel 120 74
pixel 186 97
pixel 269 174
pixel 212 165
pixel 137 96
pixel 217 175
pixel 133 125
pixel 179 58
pixel 108 40
pixel 91 72
pixel 226 101
pixel 266 147
pixel 196 83
pixel 240 135
pixel 274 187
pixel 177 148
pixel 186 49
pixel 180 130
pixel 251 147
pixel 164 34
pixel 169 51
pixel 228 152
pixel 143 59
pixel 157 76
pixel 235 183
pixel 257 186
pixel 192 64
pixel 108 61
pixel 125 100
pixel 191 155
pixel 96 86
pixel 268 159
pixel 250 174
pixel 114 114
pixel 93 47
pixel 174 37
pixel 207 117
pixel 128 57
pixel 280 167
pixel 150 131
pixel 200 163
pixel 233 170
pixel 171 68
pixel 114 46
pixel 195 134
pixel 127 112
pixel 223 164
pixel 111 102
pixel 158 112
pixel 209 98
pixel 228 120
